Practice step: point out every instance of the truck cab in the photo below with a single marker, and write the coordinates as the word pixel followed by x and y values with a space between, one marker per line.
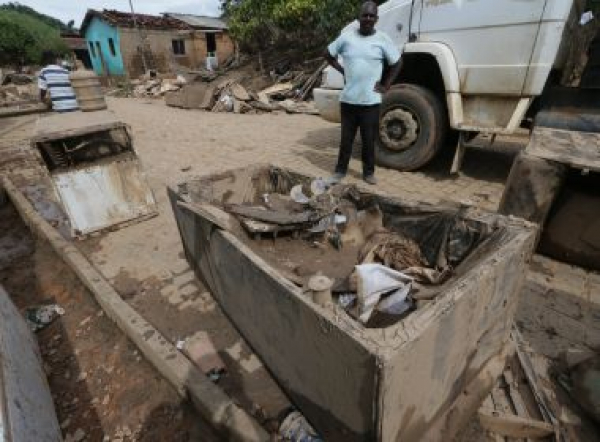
pixel 469 66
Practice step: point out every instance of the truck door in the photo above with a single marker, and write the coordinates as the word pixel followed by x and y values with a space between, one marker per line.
pixel 492 40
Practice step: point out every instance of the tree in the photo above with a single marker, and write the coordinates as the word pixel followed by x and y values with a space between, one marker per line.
pixel 23 38
pixel 306 24
pixel 50 21
pixel 14 43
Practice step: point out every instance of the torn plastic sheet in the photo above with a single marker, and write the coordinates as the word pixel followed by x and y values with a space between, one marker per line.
pixel 295 428
pixel 375 281
pixel 444 238
pixel 40 317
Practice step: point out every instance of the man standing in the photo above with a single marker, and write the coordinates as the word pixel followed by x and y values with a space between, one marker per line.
pixel 363 52
pixel 54 81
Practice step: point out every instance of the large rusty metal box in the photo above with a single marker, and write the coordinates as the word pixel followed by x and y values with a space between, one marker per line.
pixel 415 380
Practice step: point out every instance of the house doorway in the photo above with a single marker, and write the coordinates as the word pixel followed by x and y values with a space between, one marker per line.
pixel 211 44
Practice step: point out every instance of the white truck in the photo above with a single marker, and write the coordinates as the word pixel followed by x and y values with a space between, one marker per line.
pixel 470 66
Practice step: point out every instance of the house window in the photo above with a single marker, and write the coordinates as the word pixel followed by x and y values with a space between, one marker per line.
pixel 111 46
pixel 179 47
pixel 92 50
pixel 98 50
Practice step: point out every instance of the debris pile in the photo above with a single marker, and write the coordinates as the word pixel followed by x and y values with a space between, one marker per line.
pixel 391 268
pixel 537 399
pixel 149 87
pixel 230 95
pixel 18 89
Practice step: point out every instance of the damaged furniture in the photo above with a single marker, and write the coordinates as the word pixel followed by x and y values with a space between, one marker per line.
pixel 420 376
pixel 95 170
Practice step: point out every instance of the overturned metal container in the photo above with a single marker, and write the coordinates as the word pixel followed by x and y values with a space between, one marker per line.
pixel 418 379
pixel 95 170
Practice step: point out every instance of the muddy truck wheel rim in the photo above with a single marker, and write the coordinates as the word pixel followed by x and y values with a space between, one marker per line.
pixel 399 129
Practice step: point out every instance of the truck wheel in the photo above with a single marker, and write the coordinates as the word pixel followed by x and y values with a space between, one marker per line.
pixel 412 128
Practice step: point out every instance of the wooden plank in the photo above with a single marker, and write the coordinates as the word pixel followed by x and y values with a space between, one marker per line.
pixel 271 216
pixel 515 426
pixel 253 226
pixel 580 150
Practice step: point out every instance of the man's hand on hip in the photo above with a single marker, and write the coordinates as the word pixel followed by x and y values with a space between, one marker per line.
pixel 381 88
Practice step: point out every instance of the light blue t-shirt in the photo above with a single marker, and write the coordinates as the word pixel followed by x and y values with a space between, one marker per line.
pixel 363 58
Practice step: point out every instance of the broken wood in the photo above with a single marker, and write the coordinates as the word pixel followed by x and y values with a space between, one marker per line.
pixel 514 426
pixel 310 83
pixel 272 217
pixel 277 88
pixel 259 105
pixel 209 98
pixel 253 226
pixel 239 92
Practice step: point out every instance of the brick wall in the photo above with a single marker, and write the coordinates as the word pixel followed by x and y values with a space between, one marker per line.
pixel 225 46
pixel 160 46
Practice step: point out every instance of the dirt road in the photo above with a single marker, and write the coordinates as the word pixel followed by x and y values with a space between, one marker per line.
pixel 145 263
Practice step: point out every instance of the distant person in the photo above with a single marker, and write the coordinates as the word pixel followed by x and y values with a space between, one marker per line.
pixel 55 85
pixel 363 51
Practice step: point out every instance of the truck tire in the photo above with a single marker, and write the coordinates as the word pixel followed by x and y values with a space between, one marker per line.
pixel 412 127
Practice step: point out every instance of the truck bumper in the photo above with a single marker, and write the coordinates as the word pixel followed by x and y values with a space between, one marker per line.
pixel 327 102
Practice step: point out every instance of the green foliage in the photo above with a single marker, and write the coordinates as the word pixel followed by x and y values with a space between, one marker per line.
pixel 50 21
pixel 23 38
pixel 259 24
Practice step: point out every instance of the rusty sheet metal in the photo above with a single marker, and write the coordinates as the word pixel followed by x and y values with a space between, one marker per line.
pixel 104 194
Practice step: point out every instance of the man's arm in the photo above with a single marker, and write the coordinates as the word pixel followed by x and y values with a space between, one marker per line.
pixel 333 61
pixel 43 87
pixel 391 75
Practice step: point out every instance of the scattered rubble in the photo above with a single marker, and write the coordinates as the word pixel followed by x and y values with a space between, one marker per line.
pixel 13 94
pixel 219 91
pixel 388 274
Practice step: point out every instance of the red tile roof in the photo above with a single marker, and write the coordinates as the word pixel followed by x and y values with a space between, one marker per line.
pixel 125 20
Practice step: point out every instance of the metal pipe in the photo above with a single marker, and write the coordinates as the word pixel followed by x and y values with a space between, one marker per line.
pixel 135 25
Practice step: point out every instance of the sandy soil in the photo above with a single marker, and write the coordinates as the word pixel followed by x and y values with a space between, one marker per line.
pixel 99 381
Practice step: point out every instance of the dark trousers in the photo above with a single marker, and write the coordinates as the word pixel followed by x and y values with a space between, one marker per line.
pixel 367 119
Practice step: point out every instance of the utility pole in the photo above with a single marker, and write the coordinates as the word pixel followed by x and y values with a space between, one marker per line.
pixel 143 43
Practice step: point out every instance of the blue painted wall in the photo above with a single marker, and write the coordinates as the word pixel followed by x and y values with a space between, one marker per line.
pixel 99 32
